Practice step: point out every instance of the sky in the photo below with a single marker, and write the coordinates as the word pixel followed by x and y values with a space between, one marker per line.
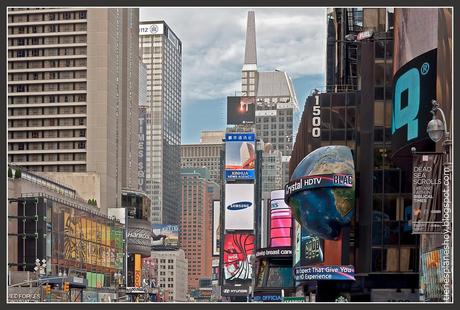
pixel 213 42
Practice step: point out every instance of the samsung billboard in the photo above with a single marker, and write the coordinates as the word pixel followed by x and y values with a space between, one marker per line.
pixel 239 206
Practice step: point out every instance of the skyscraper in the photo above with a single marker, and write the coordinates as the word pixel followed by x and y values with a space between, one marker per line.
pixel 198 193
pixel 72 97
pixel 275 97
pixel 161 52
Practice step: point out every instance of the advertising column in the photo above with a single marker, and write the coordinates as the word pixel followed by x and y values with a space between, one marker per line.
pixel 237 247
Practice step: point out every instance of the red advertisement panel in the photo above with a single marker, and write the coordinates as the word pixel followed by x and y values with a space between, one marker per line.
pixel 238 250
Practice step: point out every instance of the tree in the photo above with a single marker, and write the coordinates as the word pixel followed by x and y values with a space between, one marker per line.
pixel 10 173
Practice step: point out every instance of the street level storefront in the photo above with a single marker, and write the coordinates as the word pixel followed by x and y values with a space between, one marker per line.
pixel 82 248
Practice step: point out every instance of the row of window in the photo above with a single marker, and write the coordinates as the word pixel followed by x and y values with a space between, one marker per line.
pixel 48 40
pixel 21 88
pixel 47 134
pixel 47 157
pixel 27 17
pixel 40 64
pixel 41 52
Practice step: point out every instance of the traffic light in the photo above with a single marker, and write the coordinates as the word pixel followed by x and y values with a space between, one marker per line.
pixel 66 286
pixel 47 289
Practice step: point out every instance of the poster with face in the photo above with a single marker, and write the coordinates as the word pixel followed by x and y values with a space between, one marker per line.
pixel 238 251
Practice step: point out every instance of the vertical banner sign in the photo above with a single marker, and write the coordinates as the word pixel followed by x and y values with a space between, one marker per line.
pixel 239 206
pixel 142 147
pixel 137 270
pixel 216 228
pixel 280 220
pixel 427 194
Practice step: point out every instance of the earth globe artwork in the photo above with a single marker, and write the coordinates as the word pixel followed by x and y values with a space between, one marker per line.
pixel 321 191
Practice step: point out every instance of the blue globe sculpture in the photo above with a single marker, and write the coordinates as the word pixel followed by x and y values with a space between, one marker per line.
pixel 324 211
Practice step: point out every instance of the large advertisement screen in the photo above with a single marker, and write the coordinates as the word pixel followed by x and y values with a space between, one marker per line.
pixel 240 156
pixel 241 110
pixel 280 221
pixel 238 252
pixel 413 90
pixel 216 228
pixel 239 206
pixel 427 193
pixel 432 276
pixel 166 236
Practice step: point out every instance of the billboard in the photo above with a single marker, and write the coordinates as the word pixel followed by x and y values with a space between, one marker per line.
pixel 321 191
pixel 240 156
pixel 314 273
pixel 239 206
pixel 137 270
pixel 238 252
pixel 139 237
pixel 433 276
pixel 427 193
pixel 414 86
pixel 280 220
pixel 311 249
pixel 241 110
pixel 216 228
pixel 165 236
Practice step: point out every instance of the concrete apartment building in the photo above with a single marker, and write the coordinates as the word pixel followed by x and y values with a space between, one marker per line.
pixel 72 97
pixel 161 52
pixel 276 100
pixel 172 270
pixel 198 192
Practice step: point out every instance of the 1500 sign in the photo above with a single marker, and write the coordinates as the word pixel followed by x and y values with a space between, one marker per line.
pixel 316 120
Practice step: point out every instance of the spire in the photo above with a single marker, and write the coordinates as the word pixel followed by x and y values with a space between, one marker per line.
pixel 250 54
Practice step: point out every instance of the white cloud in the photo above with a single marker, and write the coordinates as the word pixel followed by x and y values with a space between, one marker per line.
pixel 213 40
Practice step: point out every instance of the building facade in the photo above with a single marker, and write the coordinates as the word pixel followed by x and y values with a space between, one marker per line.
pixel 379 242
pixel 161 52
pixel 172 270
pixel 72 89
pixel 81 245
pixel 203 155
pixel 198 193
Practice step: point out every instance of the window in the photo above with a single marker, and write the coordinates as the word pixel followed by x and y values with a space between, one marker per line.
pixel 35 134
pixel 67 15
pixel 81 145
pixel 82 15
pixel 21 53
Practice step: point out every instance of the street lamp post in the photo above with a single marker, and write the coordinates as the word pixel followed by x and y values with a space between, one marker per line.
pixel 437 129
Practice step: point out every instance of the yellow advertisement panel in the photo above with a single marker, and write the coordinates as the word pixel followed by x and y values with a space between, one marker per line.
pixel 137 270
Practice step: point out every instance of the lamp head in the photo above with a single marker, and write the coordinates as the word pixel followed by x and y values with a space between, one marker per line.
pixel 435 129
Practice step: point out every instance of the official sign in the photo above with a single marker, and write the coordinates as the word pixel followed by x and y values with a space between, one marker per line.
pixel 314 273
pixel 427 193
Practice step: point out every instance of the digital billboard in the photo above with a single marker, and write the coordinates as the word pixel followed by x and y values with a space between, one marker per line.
pixel 241 110
pixel 238 252
pixel 239 206
pixel 280 220
pixel 321 191
pixel 240 156
pixel 166 236
pixel 216 228
pixel 314 273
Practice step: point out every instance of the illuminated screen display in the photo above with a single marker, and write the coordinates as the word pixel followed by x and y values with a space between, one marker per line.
pixel 280 221
pixel 238 250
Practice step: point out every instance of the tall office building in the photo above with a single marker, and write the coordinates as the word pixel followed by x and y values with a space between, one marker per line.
pixel 198 193
pixel 275 97
pixel 161 52
pixel 72 97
